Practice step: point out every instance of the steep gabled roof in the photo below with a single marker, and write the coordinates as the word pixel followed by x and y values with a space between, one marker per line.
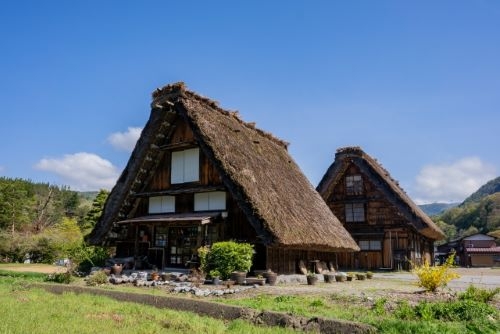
pixel 384 182
pixel 277 199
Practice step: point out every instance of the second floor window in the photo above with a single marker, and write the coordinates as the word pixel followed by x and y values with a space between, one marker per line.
pixel 161 204
pixel 214 200
pixel 354 185
pixel 354 212
pixel 185 166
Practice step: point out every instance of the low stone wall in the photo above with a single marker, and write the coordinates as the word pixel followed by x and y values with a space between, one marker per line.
pixel 221 311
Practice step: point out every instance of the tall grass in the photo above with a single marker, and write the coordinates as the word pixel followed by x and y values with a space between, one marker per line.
pixel 459 316
pixel 33 310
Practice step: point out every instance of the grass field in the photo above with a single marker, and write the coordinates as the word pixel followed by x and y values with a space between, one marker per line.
pixel 33 310
pixel 36 311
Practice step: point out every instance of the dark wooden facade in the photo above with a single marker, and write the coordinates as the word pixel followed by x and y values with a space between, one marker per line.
pixel 376 218
pixel 198 175
pixel 168 242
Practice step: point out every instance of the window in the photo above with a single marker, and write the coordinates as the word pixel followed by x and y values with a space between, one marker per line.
pixel 161 204
pixel 354 185
pixel 354 212
pixel 370 245
pixel 215 200
pixel 185 166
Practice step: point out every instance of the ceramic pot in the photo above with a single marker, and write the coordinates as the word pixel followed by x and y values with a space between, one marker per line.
pixel 117 269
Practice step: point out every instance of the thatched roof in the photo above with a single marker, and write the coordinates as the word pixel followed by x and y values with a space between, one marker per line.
pixel 381 178
pixel 268 186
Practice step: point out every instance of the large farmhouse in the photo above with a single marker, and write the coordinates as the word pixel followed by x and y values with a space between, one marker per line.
pixel 199 174
pixel 388 227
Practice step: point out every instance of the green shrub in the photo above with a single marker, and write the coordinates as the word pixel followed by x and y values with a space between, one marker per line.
pixel 461 310
pixel 404 311
pixel 226 257
pixel 478 294
pixel 97 278
pixel 379 306
pixel 65 278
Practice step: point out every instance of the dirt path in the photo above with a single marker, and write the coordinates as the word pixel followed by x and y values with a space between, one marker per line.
pixel 32 267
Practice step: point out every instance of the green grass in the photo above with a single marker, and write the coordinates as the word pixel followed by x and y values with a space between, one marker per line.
pixel 33 310
pixel 460 316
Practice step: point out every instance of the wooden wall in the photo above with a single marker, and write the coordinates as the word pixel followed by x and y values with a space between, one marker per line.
pixel 383 222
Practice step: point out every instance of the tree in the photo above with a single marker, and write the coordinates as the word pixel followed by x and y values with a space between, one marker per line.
pixel 95 211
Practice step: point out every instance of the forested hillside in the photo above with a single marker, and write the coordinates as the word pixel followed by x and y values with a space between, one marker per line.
pixel 480 212
pixel 436 208
pixel 40 222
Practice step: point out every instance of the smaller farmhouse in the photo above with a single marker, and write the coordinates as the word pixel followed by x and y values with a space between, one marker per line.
pixel 477 250
pixel 388 227
pixel 198 175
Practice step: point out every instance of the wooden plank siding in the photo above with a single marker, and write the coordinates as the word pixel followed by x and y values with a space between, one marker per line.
pixel 382 223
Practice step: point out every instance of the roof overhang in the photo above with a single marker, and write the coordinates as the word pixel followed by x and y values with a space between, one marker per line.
pixel 200 218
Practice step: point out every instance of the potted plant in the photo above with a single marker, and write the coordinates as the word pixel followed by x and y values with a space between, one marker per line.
pixel 369 274
pixel 360 276
pixel 340 277
pixel 215 274
pixel 270 277
pixel 227 257
pixel 350 276
pixel 312 278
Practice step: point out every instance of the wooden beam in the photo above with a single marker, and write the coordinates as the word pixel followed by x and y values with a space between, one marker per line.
pixel 177 191
pixel 178 145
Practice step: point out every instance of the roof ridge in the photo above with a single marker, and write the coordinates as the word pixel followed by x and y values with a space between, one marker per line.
pixel 172 92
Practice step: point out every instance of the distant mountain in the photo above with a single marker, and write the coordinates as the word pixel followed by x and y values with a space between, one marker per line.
pixel 489 188
pixel 480 212
pixel 436 208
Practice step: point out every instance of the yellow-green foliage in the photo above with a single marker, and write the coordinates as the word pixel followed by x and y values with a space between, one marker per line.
pixel 433 277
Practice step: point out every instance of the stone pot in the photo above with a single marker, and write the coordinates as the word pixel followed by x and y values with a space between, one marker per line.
pixel 311 280
pixel 340 278
pixel 329 277
pixel 270 277
pixel 239 277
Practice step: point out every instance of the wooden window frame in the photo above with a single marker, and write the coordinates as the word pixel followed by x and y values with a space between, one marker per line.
pixel 354 184
pixel 355 213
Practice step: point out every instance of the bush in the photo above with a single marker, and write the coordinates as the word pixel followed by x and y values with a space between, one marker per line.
pixel 477 315
pixel 65 278
pixel 478 295
pixel 226 257
pixel 97 278
pixel 433 277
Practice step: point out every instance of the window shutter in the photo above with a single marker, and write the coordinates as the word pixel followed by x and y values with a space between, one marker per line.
pixel 177 170
pixel 192 165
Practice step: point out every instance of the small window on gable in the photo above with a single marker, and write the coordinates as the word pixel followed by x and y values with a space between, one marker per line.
pixel 370 245
pixel 354 212
pixel 354 185
pixel 185 166
pixel 161 204
pixel 209 201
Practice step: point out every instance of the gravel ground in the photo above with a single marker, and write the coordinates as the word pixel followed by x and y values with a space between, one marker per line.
pixel 393 286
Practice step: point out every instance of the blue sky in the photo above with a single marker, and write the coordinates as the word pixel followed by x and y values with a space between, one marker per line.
pixel 415 84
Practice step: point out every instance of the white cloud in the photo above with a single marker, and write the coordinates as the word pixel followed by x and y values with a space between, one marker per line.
pixel 82 171
pixel 452 182
pixel 125 141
